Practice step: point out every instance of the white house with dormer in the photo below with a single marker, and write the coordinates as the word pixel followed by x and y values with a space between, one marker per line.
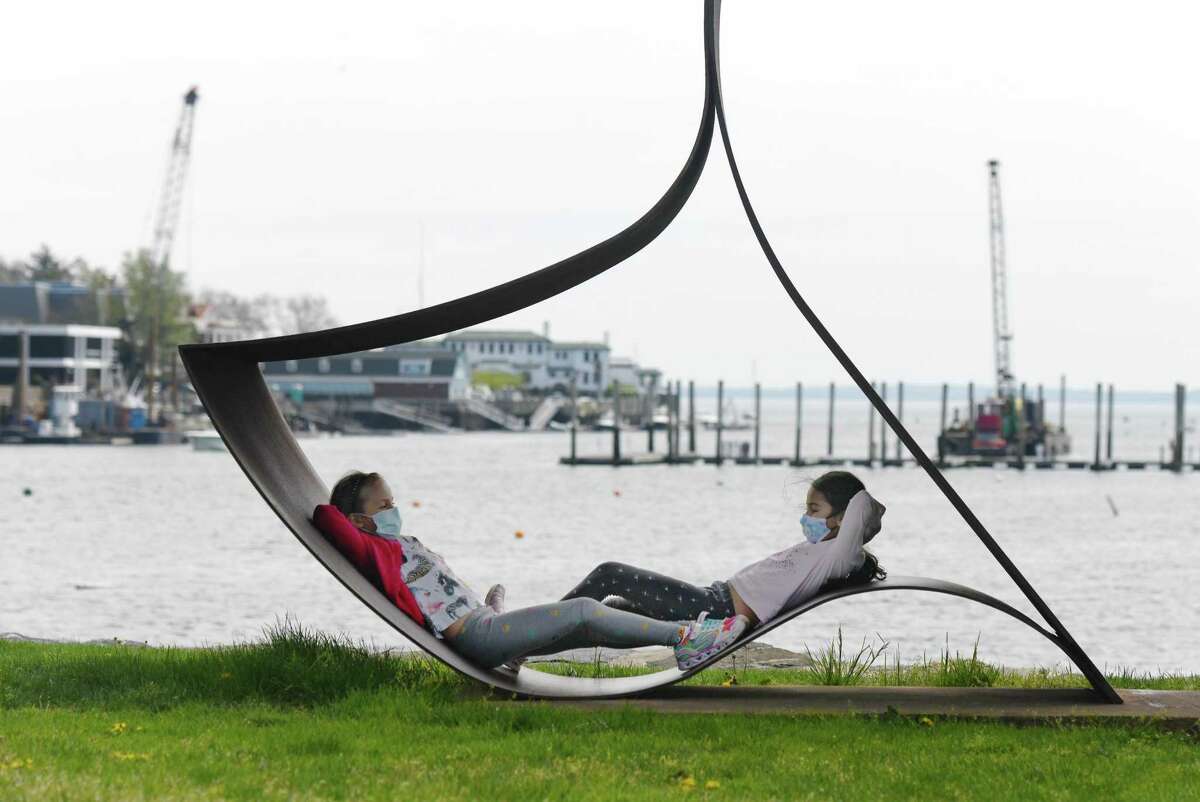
pixel 542 363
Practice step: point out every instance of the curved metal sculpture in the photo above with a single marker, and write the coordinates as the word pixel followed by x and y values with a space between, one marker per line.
pixel 230 384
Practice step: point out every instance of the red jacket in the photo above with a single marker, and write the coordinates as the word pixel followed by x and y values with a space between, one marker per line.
pixel 378 559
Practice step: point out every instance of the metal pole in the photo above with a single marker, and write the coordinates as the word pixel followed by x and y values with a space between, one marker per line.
pixel 1108 445
pixel 1099 406
pixel 829 445
pixel 757 418
pixel 691 417
pixel 799 420
pixel 720 415
pixel 899 417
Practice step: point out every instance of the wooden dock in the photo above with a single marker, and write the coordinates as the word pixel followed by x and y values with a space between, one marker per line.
pixel 949 464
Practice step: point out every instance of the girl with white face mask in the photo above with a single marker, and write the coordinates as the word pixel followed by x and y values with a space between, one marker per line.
pixel 839 517
pixel 485 634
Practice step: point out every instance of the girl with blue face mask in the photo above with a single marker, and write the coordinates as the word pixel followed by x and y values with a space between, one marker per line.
pixel 483 632
pixel 764 588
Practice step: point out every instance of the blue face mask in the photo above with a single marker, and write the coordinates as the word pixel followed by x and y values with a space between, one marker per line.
pixel 814 528
pixel 387 522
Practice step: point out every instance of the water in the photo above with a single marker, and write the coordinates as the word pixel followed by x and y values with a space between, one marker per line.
pixel 171 546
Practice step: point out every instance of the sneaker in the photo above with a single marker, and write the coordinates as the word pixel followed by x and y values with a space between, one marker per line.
pixel 495 598
pixel 705 637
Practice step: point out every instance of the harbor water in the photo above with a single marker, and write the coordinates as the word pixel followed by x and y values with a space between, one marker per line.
pixel 171 546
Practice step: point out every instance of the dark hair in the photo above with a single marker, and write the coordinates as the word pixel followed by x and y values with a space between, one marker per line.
pixel 838 487
pixel 347 493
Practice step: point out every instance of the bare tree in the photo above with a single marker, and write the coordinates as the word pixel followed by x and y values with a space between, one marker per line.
pixel 306 313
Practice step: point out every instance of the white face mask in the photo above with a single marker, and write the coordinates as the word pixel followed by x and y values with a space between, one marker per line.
pixel 387 522
pixel 815 529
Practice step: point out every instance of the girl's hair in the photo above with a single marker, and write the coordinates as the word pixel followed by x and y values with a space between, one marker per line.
pixel 347 493
pixel 838 487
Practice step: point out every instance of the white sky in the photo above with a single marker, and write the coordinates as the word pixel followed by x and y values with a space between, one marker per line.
pixel 519 133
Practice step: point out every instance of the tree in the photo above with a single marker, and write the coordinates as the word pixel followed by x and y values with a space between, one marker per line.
pixel 157 301
pixel 45 266
pixel 306 313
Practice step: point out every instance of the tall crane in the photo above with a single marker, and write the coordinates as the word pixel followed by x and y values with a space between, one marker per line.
pixel 1001 334
pixel 170 202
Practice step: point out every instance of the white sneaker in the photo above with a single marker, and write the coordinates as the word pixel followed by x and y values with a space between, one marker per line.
pixel 495 598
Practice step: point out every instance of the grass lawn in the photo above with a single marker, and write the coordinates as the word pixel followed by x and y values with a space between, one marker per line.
pixel 302 716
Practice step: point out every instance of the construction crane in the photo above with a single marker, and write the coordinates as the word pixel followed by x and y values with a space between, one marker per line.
pixel 170 202
pixel 1001 334
pixel 1008 424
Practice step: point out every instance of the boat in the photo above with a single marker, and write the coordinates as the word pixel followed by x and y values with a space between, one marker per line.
pixel 205 440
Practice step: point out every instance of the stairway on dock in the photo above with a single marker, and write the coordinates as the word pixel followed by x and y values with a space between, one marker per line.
pixel 494 414
pixel 546 411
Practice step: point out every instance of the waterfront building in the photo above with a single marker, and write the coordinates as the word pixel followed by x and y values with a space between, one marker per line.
pixel 541 363
pixel 65 333
pixel 424 372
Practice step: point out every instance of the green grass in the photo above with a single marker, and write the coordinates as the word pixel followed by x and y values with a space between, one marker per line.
pixel 303 716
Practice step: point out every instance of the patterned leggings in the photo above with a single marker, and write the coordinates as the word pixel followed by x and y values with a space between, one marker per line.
pixel 489 639
pixel 653 595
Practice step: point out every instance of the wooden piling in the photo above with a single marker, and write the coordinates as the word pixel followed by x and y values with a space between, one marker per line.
pixel 871 431
pixel 971 408
pixel 1062 402
pixel 1099 409
pixel 648 408
pixel 941 449
pixel 1180 405
pixel 829 443
pixel 574 419
pixel 882 428
pixel 616 394
pixel 691 417
pixel 799 420
pixel 670 398
pixel 1022 430
pixel 900 417
pixel 757 418
pixel 720 415
pixel 678 417
pixel 1109 435
pixel 20 401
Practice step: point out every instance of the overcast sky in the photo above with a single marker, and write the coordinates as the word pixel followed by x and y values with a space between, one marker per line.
pixel 515 134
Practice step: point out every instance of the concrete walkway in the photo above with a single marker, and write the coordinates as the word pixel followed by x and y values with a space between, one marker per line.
pixel 1177 709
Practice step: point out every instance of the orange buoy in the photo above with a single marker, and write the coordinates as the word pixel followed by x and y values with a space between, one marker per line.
pixel 518 534
pixel 416 504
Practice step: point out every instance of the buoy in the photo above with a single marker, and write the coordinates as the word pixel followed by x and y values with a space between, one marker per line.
pixel 518 534
pixel 27 491
pixel 416 504
pixel 616 492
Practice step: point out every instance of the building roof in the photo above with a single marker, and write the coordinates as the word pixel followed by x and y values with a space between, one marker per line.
pixel 582 345
pixel 46 302
pixel 484 335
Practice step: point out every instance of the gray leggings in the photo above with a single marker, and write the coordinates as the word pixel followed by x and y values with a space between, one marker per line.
pixel 489 639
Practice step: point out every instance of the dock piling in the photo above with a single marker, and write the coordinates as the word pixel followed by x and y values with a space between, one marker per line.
pixel 941 449
pixel 882 428
pixel 829 443
pixel 1062 402
pixel 1177 450
pixel 871 432
pixel 574 420
pixel 971 408
pixel 1109 435
pixel 616 394
pixel 900 417
pixel 720 415
pixel 757 418
pixel 1099 409
pixel 799 420
pixel 691 416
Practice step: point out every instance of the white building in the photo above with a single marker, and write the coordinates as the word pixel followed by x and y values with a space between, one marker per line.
pixel 542 363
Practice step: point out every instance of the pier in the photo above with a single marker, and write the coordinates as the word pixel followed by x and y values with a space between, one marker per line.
pixel 1171 459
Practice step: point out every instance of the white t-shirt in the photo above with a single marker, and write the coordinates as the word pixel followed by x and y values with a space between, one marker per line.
pixel 788 577
pixel 442 596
